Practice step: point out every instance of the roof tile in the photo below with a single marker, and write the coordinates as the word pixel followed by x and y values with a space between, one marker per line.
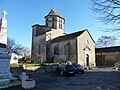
pixel 67 36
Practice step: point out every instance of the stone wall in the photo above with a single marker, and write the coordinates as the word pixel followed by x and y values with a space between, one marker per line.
pixel 107 59
pixel 38 48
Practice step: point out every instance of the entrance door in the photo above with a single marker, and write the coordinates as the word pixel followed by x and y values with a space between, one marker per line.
pixel 87 59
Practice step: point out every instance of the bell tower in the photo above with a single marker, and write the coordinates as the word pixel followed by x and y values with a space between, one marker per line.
pixel 54 20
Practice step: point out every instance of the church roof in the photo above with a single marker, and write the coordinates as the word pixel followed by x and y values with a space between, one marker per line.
pixel 38 25
pixel 53 12
pixel 67 36
pixel 108 49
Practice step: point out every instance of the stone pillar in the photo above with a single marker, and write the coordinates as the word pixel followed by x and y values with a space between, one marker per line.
pixel 3 28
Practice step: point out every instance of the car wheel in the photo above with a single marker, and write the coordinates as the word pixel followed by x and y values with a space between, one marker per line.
pixel 73 74
pixel 61 73
pixel 82 72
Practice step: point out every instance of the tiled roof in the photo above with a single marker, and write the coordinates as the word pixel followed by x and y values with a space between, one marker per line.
pixel 67 36
pixel 53 12
pixel 38 25
pixel 108 49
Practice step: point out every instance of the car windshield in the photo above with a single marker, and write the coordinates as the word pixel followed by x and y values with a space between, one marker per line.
pixel 77 65
pixel 69 67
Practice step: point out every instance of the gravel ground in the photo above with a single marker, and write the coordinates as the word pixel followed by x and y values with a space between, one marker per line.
pixel 99 79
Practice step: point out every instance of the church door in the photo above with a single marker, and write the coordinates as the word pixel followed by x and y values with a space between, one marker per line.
pixel 87 57
pixel 87 60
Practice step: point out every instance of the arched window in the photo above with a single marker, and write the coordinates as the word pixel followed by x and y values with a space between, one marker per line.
pixel 53 24
pixel 56 49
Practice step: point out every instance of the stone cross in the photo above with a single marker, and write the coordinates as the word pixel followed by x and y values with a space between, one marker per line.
pixel 4 14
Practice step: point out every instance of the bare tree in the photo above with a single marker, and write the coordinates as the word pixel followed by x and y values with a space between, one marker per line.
pixel 25 51
pixel 18 49
pixel 109 12
pixel 12 47
pixel 106 41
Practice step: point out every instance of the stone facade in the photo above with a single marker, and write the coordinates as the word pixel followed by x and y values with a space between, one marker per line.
pixel 77 47
pixel 86 49
pixel 51 44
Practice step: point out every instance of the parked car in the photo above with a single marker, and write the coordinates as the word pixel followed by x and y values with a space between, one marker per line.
pixel 79 68
pixel 64 69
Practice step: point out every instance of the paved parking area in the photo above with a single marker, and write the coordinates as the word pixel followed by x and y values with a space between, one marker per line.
pixel 100 79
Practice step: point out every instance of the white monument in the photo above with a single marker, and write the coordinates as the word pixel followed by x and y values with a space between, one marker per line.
pixel 5 74
pixel 4 59
pixel 3 28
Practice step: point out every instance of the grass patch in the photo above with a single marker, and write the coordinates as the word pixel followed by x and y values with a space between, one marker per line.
pixel 14 65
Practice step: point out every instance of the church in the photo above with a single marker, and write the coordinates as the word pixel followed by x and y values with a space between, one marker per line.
pixel 51 44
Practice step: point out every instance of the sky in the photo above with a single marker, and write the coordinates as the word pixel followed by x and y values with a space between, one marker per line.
pixel 22 14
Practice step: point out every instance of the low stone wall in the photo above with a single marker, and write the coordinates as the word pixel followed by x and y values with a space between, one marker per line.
pixel 107 59
pixel 33 70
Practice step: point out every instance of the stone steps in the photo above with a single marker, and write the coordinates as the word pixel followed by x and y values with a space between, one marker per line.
pixel 6 83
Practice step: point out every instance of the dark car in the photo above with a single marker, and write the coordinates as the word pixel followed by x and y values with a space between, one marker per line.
pixel 64 69
pixel 79 68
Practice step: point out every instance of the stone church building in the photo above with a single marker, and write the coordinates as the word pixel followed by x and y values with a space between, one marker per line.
pixel 51 44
